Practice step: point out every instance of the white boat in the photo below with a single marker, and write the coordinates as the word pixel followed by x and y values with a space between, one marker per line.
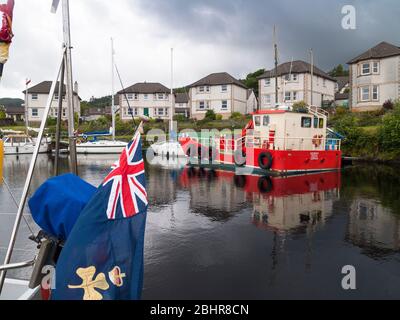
pixel 100 147
pixel 22 144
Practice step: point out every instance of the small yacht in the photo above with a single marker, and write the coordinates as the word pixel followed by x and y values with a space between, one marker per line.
pixel 90 144
pixel 22 144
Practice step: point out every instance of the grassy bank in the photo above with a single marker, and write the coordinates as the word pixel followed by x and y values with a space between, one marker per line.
pixel 370 135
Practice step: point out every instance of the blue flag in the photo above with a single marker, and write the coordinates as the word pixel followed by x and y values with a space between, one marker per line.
pixel 103 256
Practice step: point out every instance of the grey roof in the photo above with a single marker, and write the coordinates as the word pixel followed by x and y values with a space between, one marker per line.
pixel 44 88
pixel 14 110
pixel 146 88
pixel 342 96
pixel 382 50
pixel 216 79
pixel 181 98
pixel 295 67
pixel 342 81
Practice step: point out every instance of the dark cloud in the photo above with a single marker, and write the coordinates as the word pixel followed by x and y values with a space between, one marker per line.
pixel 208 35
pixel 247 25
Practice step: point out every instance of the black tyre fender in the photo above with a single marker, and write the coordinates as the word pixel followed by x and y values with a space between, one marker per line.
pixel 265 184
pixel 265 160
pixel 240 181
pixel 239 158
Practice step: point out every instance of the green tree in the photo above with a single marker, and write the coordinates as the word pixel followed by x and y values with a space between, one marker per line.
pixel 2 113
pixel 210 115
pixel 251 80
pixel 339 71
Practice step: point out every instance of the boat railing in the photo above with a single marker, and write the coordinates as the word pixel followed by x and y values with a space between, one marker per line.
pixel 294 143
pixel 316 143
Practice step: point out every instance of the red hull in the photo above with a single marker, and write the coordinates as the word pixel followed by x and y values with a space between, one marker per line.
pixel 282 161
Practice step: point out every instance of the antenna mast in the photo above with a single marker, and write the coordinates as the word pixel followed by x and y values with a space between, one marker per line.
pixel 112 90
pixel 276 68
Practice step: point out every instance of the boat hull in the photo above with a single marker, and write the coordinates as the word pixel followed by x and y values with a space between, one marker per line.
pixel 100 148
pixel 27 149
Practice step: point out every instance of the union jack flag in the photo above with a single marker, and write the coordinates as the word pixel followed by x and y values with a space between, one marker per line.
pixel 128 192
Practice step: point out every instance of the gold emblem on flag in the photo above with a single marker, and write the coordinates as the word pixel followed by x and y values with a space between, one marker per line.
pixel 90 284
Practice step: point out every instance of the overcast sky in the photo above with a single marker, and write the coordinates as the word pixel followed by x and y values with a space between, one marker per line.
pixel 208 36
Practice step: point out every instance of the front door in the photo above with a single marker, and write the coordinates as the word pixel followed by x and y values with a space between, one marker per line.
pixel 146 112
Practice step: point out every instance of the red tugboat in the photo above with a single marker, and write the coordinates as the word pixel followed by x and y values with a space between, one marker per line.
pixel 276 141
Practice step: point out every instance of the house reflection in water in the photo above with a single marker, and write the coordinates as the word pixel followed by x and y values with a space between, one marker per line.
pixel 373 228
pixel 213 193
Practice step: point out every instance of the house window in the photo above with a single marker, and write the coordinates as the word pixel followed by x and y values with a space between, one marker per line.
pixel 267 99
pixel 161 96
pixel 208 89
pixel 375 93
pixel 375 67
pixel 56 97
pixel 306 122
pixel 160 111
pixel 224 105
pixel 287 77
pixel 202 105
pixel 34 96
pixel 136 111
pixel 288 96
pixel 267 82
pixel 136 96
pixel 257 121
pixel 146 97
pixel 365 69
pixel 365 94
pixel 224 88
pixel 64 112
pixel 266 121
pixel 130 96
pixel 295 77
pixel 294 95
pixel 35 112
pixel 203 89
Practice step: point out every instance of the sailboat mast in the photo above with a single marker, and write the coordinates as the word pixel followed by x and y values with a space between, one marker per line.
pixel 26 107
pixel 171 116
pixel 69 86
pixel 312 76
pixel 112 90
pixel 276 68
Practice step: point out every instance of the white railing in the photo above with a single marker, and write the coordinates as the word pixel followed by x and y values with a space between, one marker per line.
pixel 317 111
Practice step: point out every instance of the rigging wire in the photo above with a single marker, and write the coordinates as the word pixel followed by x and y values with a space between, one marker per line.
pixel 16 204
pixel 126 97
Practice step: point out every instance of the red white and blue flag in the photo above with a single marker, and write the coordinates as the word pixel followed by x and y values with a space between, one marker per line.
pixel 103 256
pixel 127 191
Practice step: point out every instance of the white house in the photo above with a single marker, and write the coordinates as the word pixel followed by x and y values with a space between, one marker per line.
pixel 295 84
pixel 342 91
pixel 252 102
pixel 219 92
pixel 145 98
pixel 375 77
pixel 182 104
pixel 37 99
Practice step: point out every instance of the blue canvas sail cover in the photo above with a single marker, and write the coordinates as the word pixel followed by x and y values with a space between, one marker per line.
pixel 102 258
pixel 57 204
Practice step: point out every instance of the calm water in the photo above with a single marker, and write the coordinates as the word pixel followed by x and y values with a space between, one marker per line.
pixel 211 235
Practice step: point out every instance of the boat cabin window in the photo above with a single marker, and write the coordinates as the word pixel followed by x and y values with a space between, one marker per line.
pixel 266 121
pixel 257 121
pixel 306 122
pixel 318 123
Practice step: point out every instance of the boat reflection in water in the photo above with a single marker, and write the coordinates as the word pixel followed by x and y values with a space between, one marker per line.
pixel 279 203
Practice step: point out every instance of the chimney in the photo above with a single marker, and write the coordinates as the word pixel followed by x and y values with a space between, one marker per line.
pixel 76 87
